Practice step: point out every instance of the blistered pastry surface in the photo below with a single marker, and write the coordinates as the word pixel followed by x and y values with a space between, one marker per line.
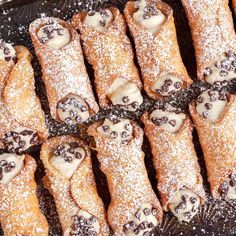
pixel 66 74
pixel 127 177
pixel 175 167
pixel 212 30
pixel 219 145
pixel 157 53
pixel 103 51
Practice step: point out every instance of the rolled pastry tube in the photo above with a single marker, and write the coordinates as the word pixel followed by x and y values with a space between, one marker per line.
pixel 22 120
pixel 57 46
pixel 214 39
pixel 134 207
pixel 108 50
pixel 152 27
pixel 169 131
pixel 69 177
pixel 19 207
pixel 214 115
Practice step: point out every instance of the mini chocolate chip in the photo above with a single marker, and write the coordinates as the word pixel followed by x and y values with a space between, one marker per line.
pixel 51 35
pixel 224 83
pixel 154 211
pixel 232 183
pixel 71 150
pixel 3 163
pixel 177 210
pixel 78 119
pixel 159 91
pixel 128 127
pixel 193 200
pixel 212 98
pixel 143 225
pixel 18 150
pixel 138 215
pixel 185 197
pixel 7 168
pixel 12 164
pixel 177 85
pixel 207 71
pixel 223 73
pixel 73 113
pixel 114 134
pixel 125 99
pixel 68 121
pixel 74 144
pixel 224 187
pixel 188 215
pixel 146 16
pixel 6 51
pixel 103 22
pixel 146 211
pixel 200 99
pixel 68 159
pixel 178 111
pixel 182 205
pixel 165 88
pixel 105 128
pixel 93 219
pixel 146 233
pixel 164 119
pixel 218 65
pixel 151 225
pixel 208 106
pixel 126 227
pixel 222 97
pixel 136 231
pixel 125 142
pixel 7 58
pixel 75 218
pixel 78 155
pixel 232 176
pixel 124 134
pixel 172 123
pixel 168 81
pixel 84 108
pixel 156 121
pixel 205 114
pixel 60 31
pixel 135 105
pixel 211 93
pixel 22 144
pixel 26 132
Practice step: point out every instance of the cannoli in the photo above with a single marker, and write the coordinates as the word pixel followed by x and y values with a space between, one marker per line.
pixel 134 207
pixel 22 121
pixel 69 177
pixel 214 115
pixel 214 39
pixel 108 50
pixel 152 27
pixel 169 132
pixel 19 207
pixel 57 46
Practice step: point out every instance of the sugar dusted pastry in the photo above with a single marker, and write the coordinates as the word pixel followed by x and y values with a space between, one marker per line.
pixel 69 91
pixel 109 51
pixel 214 116
pixel 22 121
pixel 69 177
pixel 134 207
pixel 19 207
pixel 214 39
pixel 152 27
pixel 169 132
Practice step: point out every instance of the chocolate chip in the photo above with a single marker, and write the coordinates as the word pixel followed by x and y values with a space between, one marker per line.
pixel 71 150
pixel 126 227
pixel 68 159
pixel 159 91
pixel 138 215
pixel 75 218
pixel 224 187
pixel 7 169
pixel 105 128
pixel 72 113
pixel 182 205
pixel 114 134
pixel 146 211
pixel 193 200
pixel 232 183
pixel 208 106
pixel 154 211
pixel 232 176
pixel 34 139
pixel 212 98
pixel 135 105
pixel 146 233
pixel 146 16
pixel 6 51
pixel 136 231
pixel 143 225
pixel 84 108
pixel 78 119
pixel 26 132
pixel 211 93
pixel 156 121
pixel 205 114
pixel 125 99
pixel 164 119
pixel 128 127
pixel 12 164
pixel 165 88
pixel 223 73
pixel 207 71
pixel 168 82
pixel 51 35
pixel 103 22
pixel 177 210
pixel 60 31
pixel 78 155
pixel 125 142
pixel 3 163
pixel 222 97
pixel 124 134
pixel 22 144
pixel 188 215
pixel 7 58
pixel 172 123
pixel 185 197
pixel 177 85
pixel 151 225
pixel 200 99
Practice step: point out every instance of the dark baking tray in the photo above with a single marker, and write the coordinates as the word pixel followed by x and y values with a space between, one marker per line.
pixel 215 217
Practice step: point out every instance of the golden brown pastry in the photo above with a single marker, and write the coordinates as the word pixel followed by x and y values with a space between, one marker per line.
pixel 134 207
pixel 108 50
pixel 69 177
pixel 152 27
pixel 57 46
pixel 214 115
pixel 22 121
pixel 19 206
pixel 214 39
pixel 169 131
